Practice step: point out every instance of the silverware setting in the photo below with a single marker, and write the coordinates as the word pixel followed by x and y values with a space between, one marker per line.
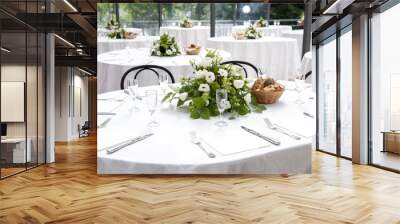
pixel 102 125
pixel 268 139
pixel 195 140
pixel 280 129
pixel 308 114
pixel 121 145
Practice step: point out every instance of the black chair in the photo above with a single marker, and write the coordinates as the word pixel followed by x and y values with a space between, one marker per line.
pixel 154 68
pixel 84 130
pixel 242 64
pixel 308 74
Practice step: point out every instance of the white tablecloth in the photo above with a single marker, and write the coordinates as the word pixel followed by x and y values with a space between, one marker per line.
pixel 170 151
pixel 296 34
pixel 102 32
pixel 276 56
pixel 187 36
pixel 107 44
pixel 112 65
pixel 269 31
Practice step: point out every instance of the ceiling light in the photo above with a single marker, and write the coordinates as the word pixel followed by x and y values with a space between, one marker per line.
pixel 70 5
pixel 84 71
pixel 5 50
pixel 64 40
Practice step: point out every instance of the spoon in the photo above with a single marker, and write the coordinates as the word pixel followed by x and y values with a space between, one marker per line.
pixel 195 140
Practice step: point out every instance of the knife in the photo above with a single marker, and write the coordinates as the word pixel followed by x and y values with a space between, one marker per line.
pixel 121 145
pixel 268 139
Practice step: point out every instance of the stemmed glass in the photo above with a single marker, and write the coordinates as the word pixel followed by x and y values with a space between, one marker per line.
pixel 163 78
pixel 152 101
pixel 221 96
pixel 132 89
pixel 300 86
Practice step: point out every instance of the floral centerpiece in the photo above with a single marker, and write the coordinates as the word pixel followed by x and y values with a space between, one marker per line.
pixel 199 92
pixel 112 24
pixel 118 33
pixel 261 22
pixel 186 23
pixel 166 46
pixel 252 33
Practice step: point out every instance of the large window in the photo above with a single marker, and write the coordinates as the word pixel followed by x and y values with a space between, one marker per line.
pixel 385 89
pixel 22 77
pixel 327 96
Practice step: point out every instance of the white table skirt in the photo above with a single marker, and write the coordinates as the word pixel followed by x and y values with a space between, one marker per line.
pixel 296 34
pixel 187 36
pixel 107 44
pixel 112 65
pixel 276 56
pixel 269 31
pixel 169 150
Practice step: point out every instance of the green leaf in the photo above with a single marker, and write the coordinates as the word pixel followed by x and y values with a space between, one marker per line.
pixel 168 96
pixel 199 102
pixel 204 113
pixel 180 103
pixel 194 114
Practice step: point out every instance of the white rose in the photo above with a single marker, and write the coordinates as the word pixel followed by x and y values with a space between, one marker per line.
pixel 169 52
pixel 223 72
pixel 183 96
pixel 204 88
pixel 173 50
pixel 210 77
pixel 201 73
pixel 247 98
pixel 238 84
pixel 159 53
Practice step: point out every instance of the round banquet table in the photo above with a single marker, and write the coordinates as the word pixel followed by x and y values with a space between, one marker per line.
pixel 296 34
pixel 112 65
pixel 186 36
pixel 170 151
pixel 276 56
pixel 269 31
pixel 107 44
pixel 102 32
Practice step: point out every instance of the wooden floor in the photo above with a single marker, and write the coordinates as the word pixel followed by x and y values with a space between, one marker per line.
pixel 70 191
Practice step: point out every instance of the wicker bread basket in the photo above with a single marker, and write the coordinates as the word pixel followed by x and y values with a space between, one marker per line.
pixel 267 91
pixel 130 35
pixel 193 49
pixel 238 36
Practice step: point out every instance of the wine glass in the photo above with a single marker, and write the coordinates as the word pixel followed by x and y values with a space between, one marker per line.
pixel 151 102
pixel 163 79
pixel 300 86
pixel 132 90
pixel 221 96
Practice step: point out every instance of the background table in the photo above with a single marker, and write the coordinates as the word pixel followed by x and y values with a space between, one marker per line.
pixel 112 65
pixel 170 151
pixel 102 32
pixel 276 56
pixel 296 34
pixel 106 44
pixel 187 36
pixel 269 31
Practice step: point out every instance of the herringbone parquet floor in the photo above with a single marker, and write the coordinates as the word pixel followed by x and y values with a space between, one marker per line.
pixel 70 191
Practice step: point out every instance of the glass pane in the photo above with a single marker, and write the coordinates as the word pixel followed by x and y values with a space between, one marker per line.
pixel 346 93
pixel 140 15
pixel 327 97
pixel 385 84
pixel 173 13
pixel 13 87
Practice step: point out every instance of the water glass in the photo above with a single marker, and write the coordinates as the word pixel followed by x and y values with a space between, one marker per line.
pixel 132 89
pixel 300 86
pixel 151 102
pixel 163 79
pixel 221 96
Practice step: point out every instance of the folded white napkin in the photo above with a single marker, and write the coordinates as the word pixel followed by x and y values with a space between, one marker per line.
pixel 232 140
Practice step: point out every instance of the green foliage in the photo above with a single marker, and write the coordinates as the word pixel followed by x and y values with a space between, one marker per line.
pixel 252 33
pixel 186 23
pixel 260 22
pixel 118 33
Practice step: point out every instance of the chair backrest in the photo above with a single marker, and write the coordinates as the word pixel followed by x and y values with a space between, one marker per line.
pixel 154 69
pixel 243 64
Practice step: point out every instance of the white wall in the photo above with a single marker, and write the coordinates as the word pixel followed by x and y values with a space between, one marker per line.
pixel 71 102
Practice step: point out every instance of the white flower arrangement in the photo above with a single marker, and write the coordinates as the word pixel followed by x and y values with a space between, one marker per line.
pixel 199 92
pixel 166 46
pixel 252 33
